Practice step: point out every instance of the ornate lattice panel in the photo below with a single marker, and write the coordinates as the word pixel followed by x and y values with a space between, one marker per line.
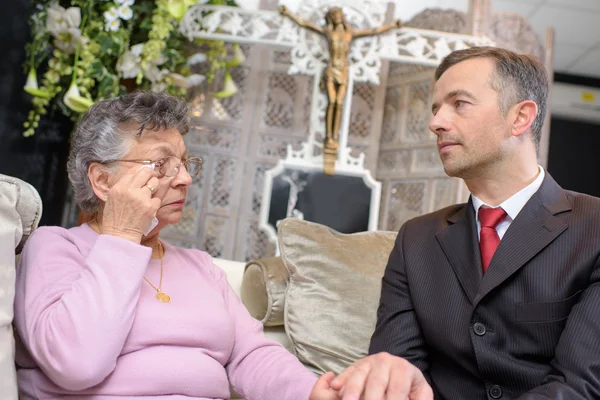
pixel 257 244
pixel 215 235
pixel 362 112
pixel 282 57
pixel 230 108
pixel 391 116
pixel 213 138
pixel 394 162
pixel 406 200
pixel 403 70
pixel 443 193
pixel 280 99
pixel 418 112
pixel 222 183
pixel 276 146
pixel 187 227
pixel 258 183
pixel 427 160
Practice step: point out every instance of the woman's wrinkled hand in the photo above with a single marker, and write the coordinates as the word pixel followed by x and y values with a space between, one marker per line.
pixel 130 205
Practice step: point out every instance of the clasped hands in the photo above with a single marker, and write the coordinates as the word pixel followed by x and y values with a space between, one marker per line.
pixel 376 377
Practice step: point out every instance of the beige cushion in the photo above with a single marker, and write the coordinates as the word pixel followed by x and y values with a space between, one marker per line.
pixel 20 211
pixel 263 290
pixel 333 291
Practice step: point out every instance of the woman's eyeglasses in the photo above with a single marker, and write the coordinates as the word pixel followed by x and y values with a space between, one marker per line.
pixel 169 166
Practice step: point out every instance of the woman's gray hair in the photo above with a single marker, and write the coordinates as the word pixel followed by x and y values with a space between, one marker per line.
pixel 109 130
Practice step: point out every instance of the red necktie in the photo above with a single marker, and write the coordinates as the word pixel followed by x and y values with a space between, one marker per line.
pixel 489 240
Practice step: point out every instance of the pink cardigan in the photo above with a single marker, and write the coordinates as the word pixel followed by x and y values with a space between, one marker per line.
pixel 90 326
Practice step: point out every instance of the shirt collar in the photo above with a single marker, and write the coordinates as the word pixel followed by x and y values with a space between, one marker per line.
pixel 515 203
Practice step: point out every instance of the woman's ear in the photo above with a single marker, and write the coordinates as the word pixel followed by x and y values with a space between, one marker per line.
pixel 525 113
pixel 99 179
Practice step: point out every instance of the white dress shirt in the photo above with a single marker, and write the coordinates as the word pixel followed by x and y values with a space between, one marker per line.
pixel 513 205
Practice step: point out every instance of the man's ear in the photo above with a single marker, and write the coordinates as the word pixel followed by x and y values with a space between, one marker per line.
pixel 524 114
pixel 99 179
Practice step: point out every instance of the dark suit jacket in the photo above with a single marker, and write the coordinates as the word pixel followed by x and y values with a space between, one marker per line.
pixel 528 329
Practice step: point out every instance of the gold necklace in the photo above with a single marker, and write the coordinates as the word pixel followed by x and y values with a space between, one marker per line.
pixel 160 295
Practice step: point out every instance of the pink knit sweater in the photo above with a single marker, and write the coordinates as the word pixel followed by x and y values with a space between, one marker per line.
pixel 90 326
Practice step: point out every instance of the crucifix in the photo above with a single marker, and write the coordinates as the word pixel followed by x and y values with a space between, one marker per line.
pixel 339 35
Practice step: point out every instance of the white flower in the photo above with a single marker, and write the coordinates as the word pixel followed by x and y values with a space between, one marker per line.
pixel 54 21
pixel 60 19
pixel 111 15
pixel 186 82
pixel 195 79
pixel 114 25
pixel 197 59
pixel 68 40
pixel 159 87
pixel 125 12
pixel 125 2
pixel 154 74
pixel 72 17
pixel 137 49
pixel 129 64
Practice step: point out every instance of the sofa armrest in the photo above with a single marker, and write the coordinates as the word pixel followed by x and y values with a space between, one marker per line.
pixel 263 290
pixel 20 212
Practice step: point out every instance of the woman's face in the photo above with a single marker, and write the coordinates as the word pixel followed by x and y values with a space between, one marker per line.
pixel 172 191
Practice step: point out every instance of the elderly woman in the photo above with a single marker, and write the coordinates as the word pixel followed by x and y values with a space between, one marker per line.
pixel 106 310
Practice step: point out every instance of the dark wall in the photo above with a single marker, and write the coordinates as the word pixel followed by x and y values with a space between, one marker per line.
pixel 574 144
pixel 39 160
pixel 573 155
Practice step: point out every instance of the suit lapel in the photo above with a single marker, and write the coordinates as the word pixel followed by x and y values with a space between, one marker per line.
pixel 535 227
pixel 459 243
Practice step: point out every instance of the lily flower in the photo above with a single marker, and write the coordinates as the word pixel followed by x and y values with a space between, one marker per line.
pixel 238 57
pixel 229 88
pixel 31 86
pixel 75 101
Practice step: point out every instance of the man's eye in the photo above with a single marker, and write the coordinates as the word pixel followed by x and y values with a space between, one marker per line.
pixel 458 103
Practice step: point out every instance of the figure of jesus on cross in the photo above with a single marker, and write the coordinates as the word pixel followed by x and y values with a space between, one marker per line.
pixel 339 35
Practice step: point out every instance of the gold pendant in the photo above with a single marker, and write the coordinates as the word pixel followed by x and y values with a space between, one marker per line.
pixel 163 297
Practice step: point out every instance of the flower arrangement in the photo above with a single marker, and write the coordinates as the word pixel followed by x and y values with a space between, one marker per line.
pixel 94 49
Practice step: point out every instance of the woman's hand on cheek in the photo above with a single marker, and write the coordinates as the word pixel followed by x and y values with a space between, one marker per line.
pixel 130 205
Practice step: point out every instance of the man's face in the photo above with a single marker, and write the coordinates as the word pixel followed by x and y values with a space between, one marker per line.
pixel 471 131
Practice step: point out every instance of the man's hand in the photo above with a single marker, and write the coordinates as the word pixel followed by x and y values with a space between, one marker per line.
pixel 381 377
pixel 283 10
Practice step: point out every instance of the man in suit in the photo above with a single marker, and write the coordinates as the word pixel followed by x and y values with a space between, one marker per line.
pixel 498 297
